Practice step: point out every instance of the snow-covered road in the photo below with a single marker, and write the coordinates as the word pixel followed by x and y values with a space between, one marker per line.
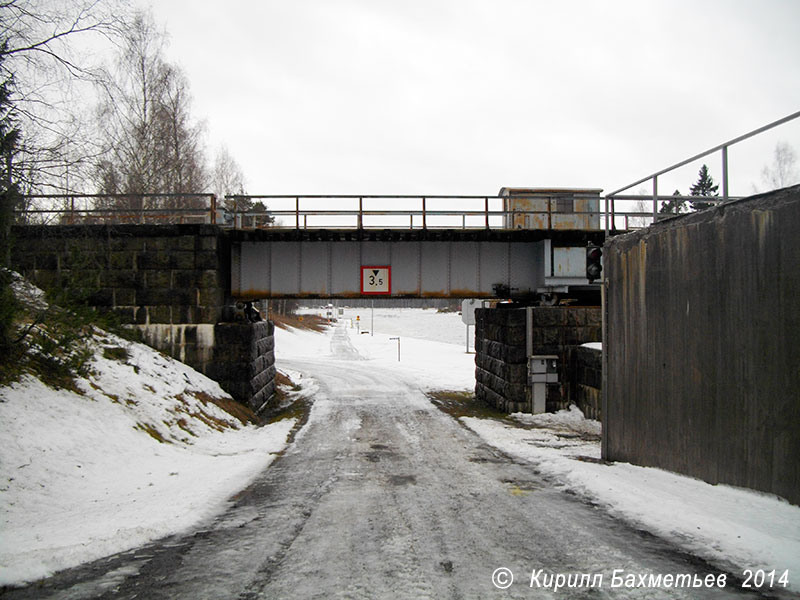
pixel 381 495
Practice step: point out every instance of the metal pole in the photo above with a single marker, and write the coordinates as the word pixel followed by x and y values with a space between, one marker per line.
pixel 372 325
pixel 655 199
pixel 424 216
pixel 604 400
pixel 467 352
pixel 398 347
pixel 724 173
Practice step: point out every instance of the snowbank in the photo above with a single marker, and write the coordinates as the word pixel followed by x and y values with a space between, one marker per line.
pixel 143 451
pixel 731 527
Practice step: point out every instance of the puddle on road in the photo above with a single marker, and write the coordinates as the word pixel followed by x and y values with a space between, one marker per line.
pixel 399 480
pixel 520 488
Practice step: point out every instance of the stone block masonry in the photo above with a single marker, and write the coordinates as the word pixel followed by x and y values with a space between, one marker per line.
pixel 170 281
pixel 505 336
pixel 501 363
pixel 244 361
pixel 147 274
pixel 586 380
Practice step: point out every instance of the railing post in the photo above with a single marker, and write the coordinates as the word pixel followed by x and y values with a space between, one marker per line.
pixel 486 210
pixel 724 173
pixel 297 212
pixel 213 215
pixel 424 213
pixel 606 219
pixel 550 213
pixel 655 199
pixel 361 212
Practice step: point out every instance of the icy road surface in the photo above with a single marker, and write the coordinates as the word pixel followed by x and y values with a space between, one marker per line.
pixel 381 495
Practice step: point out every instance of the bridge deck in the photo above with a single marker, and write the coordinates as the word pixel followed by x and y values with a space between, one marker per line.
pixel 412 263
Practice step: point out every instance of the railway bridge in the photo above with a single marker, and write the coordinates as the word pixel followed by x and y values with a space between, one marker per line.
pixel 179 271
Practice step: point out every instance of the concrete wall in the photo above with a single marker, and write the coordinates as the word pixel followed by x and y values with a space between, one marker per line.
pixel 703 316
pixel 505 336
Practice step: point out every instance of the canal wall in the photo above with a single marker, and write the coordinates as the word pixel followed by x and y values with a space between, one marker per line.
pixel 702 356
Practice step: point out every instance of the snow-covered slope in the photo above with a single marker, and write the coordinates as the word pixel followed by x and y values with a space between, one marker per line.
pixel 139 451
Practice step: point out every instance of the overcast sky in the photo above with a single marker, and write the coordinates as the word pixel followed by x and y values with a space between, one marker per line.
pixel 465 97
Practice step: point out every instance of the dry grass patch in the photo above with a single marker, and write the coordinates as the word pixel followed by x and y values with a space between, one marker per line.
pixel 152 432
pixel 310 322
pixel 464 404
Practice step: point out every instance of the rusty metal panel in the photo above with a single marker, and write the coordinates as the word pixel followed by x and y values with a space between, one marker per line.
pixel 552 209
pixel 494 265
pixel 405 268
pixel 527 213
pixel 345 277
pixel 569 262
pixel 435 269
pixel 464 270
pixel 526 267
pixel 284 268
pixel 314 261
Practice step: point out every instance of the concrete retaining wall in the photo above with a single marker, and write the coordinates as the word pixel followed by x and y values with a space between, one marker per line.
pixel 702 346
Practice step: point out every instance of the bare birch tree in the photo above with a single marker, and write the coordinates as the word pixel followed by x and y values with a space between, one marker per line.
pixel 782 172
pixel 46 45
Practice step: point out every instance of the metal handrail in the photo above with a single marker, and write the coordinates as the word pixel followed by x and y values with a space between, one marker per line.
pixel 485 218
pixel 209 211
pixel 723 147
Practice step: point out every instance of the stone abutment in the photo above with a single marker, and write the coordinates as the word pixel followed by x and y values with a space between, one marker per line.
pixel 172 282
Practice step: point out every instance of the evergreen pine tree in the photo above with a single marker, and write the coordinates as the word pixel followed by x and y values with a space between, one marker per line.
pixel 673 206
pixel 705 187
pixel 9 197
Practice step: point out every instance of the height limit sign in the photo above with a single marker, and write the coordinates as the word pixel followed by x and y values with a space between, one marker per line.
pixel 376 280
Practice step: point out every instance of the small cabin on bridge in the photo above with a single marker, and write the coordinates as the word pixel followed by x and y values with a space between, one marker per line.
pixel 551 208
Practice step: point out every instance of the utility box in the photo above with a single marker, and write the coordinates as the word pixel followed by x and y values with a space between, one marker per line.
pixel 542 369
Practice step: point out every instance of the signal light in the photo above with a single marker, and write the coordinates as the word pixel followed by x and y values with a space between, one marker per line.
pixel 594 264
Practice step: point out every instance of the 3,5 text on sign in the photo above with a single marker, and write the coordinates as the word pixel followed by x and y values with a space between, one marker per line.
pixel 376 280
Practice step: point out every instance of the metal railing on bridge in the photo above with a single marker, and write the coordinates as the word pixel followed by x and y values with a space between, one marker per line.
pixel 100 209
pixel 316 211
pixel 656 200
pixel 545 210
